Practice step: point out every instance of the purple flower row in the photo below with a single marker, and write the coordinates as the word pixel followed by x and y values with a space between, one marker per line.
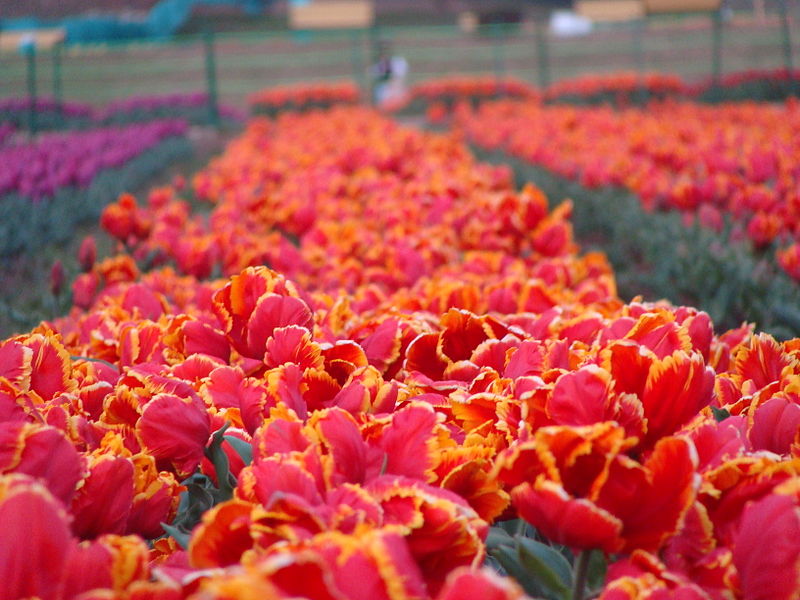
pixel 170 101
pixel 38 170
pixel 119 108
pixel 6 131
pixel 43 104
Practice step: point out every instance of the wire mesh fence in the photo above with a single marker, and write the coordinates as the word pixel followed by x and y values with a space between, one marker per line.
pixel 232 66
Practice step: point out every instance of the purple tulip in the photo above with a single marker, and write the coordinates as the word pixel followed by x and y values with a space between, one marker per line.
pixel 55 160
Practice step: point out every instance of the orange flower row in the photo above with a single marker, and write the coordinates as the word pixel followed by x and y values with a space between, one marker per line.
pixel 304 95
pixel 380 205
pixel 709 162
pixel 435 359
pixel 621 83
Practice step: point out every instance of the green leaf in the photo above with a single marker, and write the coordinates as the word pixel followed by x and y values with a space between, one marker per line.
pixel 199 494
pixel 385 463
pixel 547 565
pixel 498 537
pixel 720 414
pixel 598 565
pixel 180 536
pixel 788 315
pixel 512 526
pixel 242 448
pixel 217 456
pixel 509 560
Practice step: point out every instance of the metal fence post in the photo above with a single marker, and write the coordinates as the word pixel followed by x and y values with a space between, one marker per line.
pixel 357 58
pixel 375 55
pixel 788 62
pixel 57 87
pixel 639 27
pixel 787 36
pixel 211 76
pixel 498 45
pixel 716 54
pixel 30 53
pixel 542 55
pixel 639 59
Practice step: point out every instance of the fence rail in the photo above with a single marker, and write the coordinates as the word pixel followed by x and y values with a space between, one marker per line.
pixel 231 66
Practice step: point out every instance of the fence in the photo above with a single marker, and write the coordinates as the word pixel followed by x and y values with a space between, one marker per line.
pixel 231 66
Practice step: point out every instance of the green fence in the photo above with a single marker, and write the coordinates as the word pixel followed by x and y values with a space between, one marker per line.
pixel 231 66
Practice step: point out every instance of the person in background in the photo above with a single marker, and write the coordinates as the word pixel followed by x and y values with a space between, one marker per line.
pixel 389 75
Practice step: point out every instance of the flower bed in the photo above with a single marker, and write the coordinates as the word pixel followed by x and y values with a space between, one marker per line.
pixel 732 162
pixel 444 364
pixel 192 107
pixel 6 131
pixel 763 85
pixel 437 97
pixel 659 255
pixel 619 89
pixel 50 185
pixel 301 97
pixel 623 89
pixel 49 113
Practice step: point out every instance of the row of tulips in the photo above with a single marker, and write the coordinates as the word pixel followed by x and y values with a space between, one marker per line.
pixel 767 85
pixel 6 131
pixel 50 114
pixel 437 361
pixel 438 96
pixel 192 107
pixel 286 198
pixel 619 88
pixel 270 101
pixel 658 255
pixel 420 96
pixel 734 162
pixel 60 179
pixel 473 86
pixel 38 169
pixel 630 88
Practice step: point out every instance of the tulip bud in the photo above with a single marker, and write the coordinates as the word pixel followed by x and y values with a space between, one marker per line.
pixel 87 253
pixel 84 289
pixel 57 277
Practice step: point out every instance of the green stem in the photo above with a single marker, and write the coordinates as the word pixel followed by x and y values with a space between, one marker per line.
pixel 581 573
pixel 521 526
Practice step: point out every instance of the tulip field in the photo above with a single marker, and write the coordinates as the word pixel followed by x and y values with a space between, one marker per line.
pixel 719 181
pixel 348 360
pixel 49 185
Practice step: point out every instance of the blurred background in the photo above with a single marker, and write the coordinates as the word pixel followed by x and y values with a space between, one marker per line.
pixel 74 52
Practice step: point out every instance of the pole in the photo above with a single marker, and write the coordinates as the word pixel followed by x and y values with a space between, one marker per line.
pixel 787 46
pixel 30 53
pixel 638 56
pixel 211 76
pixel 357 58
pixel 716 55
pixel 57 85
pixel 499 56
pixel 542 55
pixel 375 55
